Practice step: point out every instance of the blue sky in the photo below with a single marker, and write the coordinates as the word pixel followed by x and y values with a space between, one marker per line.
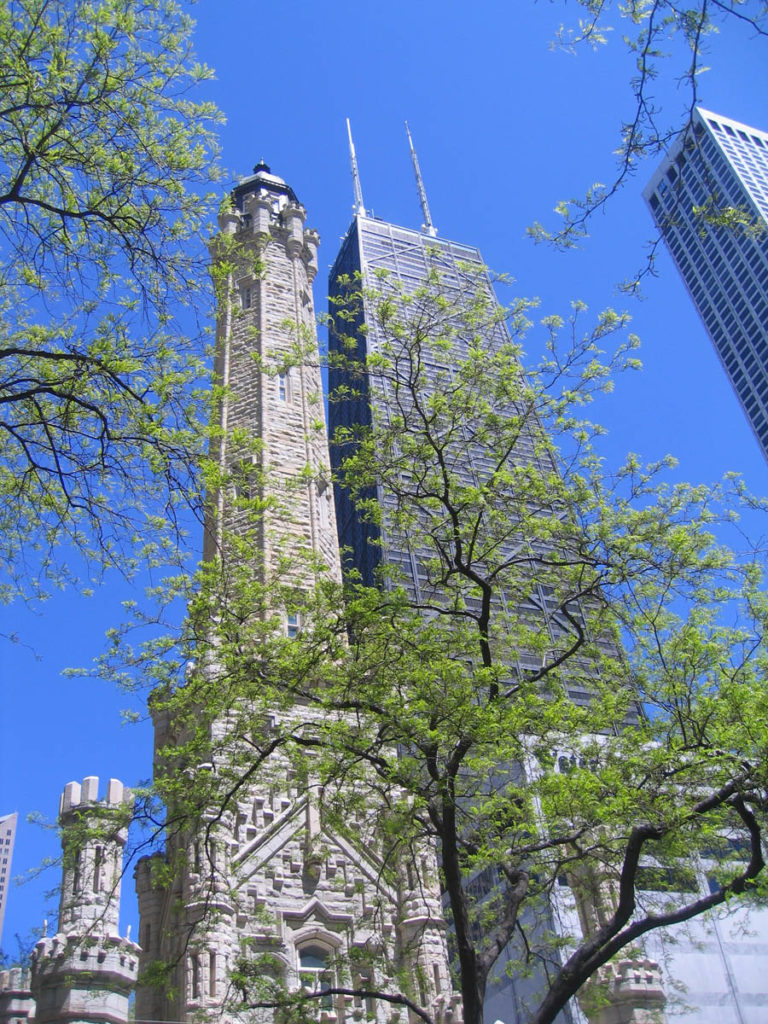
pixel 505 127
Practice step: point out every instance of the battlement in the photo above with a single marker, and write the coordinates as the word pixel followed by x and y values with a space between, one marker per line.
pixel 16 1003
pixel 447 1008
pixel 625 990
pixel 639 979
pixel 93 835
pixel 111 958
pixel 83 979
pixel 15 980
pixel 82 796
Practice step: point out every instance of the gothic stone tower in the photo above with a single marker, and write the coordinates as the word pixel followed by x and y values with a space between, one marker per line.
pixel 271 412
pixel 267 881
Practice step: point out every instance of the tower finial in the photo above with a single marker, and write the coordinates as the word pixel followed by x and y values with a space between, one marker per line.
pixel 359 206
pixel 429 227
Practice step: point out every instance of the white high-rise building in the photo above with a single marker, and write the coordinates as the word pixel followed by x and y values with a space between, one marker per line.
pixel 7 837
pixel 718 169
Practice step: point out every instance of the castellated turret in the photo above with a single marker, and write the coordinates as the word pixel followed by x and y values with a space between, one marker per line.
pixel 16 1003
pixel 85 973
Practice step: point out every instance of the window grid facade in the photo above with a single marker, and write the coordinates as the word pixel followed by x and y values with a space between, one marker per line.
pixel 7 838
pixel 408 258
pixel 724 269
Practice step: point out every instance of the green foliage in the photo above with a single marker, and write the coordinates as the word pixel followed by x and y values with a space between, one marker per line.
pixel 662 38
pixel 574 692
pixel 713 214
pixel 103 153
pixel 24 946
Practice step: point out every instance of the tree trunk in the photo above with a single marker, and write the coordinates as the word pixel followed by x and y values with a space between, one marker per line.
pixel 472 977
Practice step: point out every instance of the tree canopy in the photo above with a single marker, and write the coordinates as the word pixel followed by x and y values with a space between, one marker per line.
pixel 105 147
pixel 570 709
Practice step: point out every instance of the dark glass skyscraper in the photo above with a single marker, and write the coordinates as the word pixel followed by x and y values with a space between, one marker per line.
pixel 388 260
pixel 379 261
pixel 371 252
pixel 722 165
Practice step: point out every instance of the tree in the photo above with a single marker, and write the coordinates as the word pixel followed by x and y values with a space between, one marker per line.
pixel 571 699
pixel 103 152
pixel 661 37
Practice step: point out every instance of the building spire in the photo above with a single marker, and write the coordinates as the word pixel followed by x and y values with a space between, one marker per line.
pixel 429 227
pixel 359 206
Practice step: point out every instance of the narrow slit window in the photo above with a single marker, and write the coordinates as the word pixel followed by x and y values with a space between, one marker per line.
pixel 195 977
pixel 436 976
pixel 97 866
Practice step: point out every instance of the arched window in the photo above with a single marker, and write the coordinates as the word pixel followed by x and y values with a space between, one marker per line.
pixel 315 974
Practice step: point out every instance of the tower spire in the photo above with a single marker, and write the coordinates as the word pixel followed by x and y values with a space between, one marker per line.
pixel 359 206
pixel 429 227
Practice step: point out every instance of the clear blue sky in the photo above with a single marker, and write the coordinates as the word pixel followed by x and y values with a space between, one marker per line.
pixel 505 127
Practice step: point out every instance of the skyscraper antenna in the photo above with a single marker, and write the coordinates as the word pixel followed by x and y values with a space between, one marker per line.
pixel 429 227
pixel 359 206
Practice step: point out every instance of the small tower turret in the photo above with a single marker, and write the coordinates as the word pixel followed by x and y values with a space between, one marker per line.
pixel 93 839
pixel 16 1004
pixel 86 972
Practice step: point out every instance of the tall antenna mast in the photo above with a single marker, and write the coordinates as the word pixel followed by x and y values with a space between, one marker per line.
pixel 359 206
pixel 429 227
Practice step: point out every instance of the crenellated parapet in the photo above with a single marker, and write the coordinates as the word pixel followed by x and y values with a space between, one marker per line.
pixel 266 210
pixel 76 978
pixel 16 1003
pixel 447 1008
pixel 93 836
pixel 87 971
pixel 628 991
